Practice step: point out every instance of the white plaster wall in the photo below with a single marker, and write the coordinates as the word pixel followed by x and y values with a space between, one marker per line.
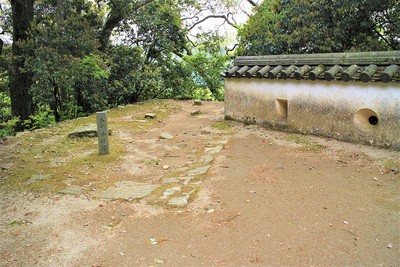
pixel 319 107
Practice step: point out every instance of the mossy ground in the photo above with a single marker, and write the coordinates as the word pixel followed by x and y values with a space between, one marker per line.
pixel 304 143
pixel 51 151
pixel 224 125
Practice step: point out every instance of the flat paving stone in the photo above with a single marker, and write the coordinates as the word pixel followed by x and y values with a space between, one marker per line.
pixel 180 202
pixel 166 136
pixel 206 159
pixel 128 190
pixel 73 190
pixel 170 192
pixel 185 180
pixel 199 171
pixel 170 180
pixel 213 150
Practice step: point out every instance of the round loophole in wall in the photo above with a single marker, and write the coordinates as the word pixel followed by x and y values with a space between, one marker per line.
pixel 366 119
pixel 373 120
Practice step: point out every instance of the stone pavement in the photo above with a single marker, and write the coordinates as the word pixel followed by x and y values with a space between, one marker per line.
pixel 175 191
pixel 172 191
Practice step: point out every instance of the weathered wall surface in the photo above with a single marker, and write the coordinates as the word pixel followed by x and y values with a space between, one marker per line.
pixel 350 111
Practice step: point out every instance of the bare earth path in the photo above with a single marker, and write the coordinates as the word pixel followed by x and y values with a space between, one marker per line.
pixel 267 199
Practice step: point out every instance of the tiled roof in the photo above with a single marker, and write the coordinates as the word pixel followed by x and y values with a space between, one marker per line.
pixel 383 66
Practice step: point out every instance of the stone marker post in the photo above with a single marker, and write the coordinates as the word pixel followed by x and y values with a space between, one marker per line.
pixel 102 132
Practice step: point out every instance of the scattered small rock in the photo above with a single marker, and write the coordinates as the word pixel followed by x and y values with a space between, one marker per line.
pixel 389 246
pixel 166 136
pixel 375 179
pixel 197 103
pixel 165 167
pixel 195 113
pixel 150 116
pixel 158 261
pixel 211 208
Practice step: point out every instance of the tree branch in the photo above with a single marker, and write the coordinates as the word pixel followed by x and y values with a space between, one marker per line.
pixel 213 17
pixel 116 15
pixel 252 2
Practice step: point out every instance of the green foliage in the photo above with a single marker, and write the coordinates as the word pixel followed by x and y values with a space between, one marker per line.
pixel 5 106
pixel 7 121
pixel 43 118
pixel 207 63
pixel 131 79
pixel 90 85
pixel 157 29
pixel 7 127
pixel 64 70
pixel 70 72
pixel 280 27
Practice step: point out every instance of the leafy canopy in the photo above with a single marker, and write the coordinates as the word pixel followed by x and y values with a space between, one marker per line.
pixel 305 26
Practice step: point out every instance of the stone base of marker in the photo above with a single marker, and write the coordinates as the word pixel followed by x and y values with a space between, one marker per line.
pixel 87 130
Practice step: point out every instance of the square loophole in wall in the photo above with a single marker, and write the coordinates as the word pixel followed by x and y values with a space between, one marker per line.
pixel 281 110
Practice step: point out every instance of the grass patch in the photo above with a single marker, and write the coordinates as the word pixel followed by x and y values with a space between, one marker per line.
pixel 223 126
pixel 304 143
pixel 391 164
pixel 18 222
pixel 153 162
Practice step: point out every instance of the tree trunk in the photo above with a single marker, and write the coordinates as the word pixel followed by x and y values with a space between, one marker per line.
pixel 112 21
pixel 20 81
pixel 115 16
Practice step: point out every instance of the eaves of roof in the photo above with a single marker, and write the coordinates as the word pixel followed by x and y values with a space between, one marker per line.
pixel 382 66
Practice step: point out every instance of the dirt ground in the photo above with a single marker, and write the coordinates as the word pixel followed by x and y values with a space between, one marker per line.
pixel 269 199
